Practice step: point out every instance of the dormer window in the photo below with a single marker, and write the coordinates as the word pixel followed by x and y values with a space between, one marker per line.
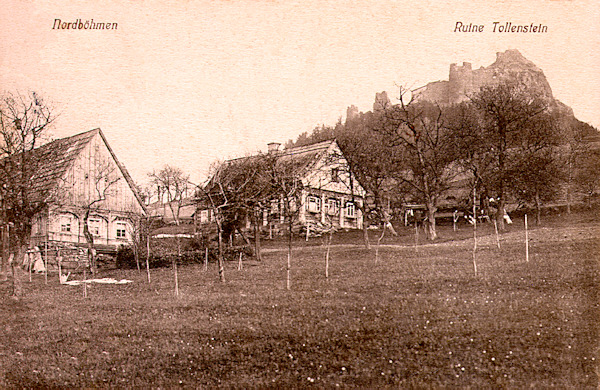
pixel 335 175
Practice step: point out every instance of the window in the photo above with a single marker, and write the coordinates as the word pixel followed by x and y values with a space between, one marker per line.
pixel 274 206
pixel 204 216
pixel 94 226
pixel 335 175
pixel 332 206
pixel 313 204
pixel 350 210
pixel 65 224
pixel 121 226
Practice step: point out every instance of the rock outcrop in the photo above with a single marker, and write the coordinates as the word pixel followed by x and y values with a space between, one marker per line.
pixel 463 81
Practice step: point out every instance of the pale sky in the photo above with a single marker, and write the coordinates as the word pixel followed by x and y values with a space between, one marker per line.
pixel 188 82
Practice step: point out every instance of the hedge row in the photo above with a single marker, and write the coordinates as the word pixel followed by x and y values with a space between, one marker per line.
pixel 126 258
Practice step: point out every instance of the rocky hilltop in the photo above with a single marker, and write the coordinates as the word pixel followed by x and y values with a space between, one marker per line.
pixel 463 81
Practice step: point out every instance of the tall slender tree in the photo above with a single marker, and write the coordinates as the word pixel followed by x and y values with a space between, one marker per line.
pixel 24 120
pixel 173 186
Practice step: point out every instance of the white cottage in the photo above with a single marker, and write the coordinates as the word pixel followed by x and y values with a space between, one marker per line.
pixel 330 194
pixel 83 174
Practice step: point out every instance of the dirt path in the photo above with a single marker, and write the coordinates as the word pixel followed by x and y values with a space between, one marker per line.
pixel 541 234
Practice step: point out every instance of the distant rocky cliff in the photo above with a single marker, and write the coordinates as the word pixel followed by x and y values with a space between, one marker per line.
pixel 463 81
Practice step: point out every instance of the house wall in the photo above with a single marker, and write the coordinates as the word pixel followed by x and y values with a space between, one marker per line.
pixel 331 173
pixel 107 227
pixel 89 171
pixel 111 221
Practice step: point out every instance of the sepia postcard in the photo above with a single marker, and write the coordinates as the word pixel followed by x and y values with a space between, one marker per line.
pixel 300 194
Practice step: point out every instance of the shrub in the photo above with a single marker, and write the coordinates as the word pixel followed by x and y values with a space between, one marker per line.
pixel 125 257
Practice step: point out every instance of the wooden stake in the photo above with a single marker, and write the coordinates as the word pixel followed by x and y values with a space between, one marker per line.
pixel 497 236
pixel 526 241
pixel 416 235
pixel 475 231
pixel 148 254
pixel 206 259
pixel 176 278
pixel 84 283
pixel 378 244
pixel 289 264
pixel 46 261
pixel 327 257
pixel 240 262
pixel 59 261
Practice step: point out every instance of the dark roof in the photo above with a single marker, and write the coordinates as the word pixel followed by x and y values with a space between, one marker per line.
pixel 303 158
pixel 187 209
pixel 56 157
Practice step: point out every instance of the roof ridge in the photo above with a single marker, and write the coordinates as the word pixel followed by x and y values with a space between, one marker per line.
pixel 316 145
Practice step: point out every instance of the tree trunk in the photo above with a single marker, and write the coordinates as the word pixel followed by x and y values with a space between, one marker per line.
pixel 175 260
pixel 538 208
pixel 569 178
pixel 89 238
pixel 5 253
pixel 136 255
pixel 329 238
pixel 365 230
pixel 388 223
pixel 220 264
pixel 431 228
pixel 246 240
pixel 17 271
pixel 289 257
pixel 500 213
pixel 257 237
pixel 148 253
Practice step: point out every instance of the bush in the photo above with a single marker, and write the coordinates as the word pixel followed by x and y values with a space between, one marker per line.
pixel 125 257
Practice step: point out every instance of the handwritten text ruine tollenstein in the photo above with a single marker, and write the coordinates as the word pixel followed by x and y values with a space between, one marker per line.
pixel 501 27
pixel 78 24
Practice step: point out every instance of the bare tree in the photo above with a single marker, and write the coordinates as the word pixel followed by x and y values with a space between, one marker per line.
pixel 172 186
pixel 536 173
pixel 236 190
pixel 103 178
pixel 587 176
pixel 578 154
pixel 23 122
pixel 363 148
pixel 285 187
pixel 504 111
pixel 426 150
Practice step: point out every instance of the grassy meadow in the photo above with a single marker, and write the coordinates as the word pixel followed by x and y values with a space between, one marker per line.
pixel 419 317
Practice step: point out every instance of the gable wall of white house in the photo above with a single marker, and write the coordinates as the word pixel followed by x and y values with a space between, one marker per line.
pixel 112 222
pixel 332 195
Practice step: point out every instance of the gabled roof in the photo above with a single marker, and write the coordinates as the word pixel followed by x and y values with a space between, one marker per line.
pixel 303 158
pixel 187 209
pixel 55 158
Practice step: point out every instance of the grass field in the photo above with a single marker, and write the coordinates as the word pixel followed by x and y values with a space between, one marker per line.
pixel 419 317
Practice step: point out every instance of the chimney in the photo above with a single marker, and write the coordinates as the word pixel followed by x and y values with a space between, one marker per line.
pixel 273 147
